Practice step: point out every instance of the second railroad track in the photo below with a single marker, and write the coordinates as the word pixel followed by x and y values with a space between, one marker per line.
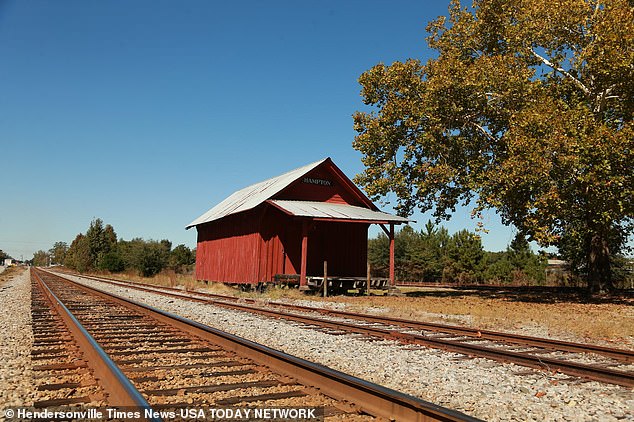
pixel 586 361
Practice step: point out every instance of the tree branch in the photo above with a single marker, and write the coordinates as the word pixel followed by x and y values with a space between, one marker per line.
pixel 603 97
pixel 484 132
pixel 563 72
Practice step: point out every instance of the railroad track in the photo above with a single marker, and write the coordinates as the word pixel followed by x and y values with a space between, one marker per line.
pixel 608 365
pixel 156 361
pixel 61 374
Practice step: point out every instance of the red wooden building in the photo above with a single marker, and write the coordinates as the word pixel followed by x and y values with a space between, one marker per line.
pixel 290 225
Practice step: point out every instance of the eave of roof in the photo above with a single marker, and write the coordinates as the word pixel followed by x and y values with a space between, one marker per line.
pixel 332 211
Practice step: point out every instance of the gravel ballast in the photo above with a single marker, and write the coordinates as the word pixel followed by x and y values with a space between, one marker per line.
pixel 478 387
pixel 16 339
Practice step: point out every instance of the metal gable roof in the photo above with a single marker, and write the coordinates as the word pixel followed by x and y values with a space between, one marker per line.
pixel 252 196
pixel 329 210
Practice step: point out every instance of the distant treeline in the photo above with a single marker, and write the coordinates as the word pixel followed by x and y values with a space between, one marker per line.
pixel 432 255
pixel 99 249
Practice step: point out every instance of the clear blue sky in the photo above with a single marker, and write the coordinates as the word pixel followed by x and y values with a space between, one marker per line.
pixel 147 113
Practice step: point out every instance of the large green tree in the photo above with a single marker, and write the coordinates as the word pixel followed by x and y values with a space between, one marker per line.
pixel 58 252
pixel 465 258
pixel 78 256
pixel 527 108
pixel 181 257
pixel 41 258
pixel 102 241
pixel 148 257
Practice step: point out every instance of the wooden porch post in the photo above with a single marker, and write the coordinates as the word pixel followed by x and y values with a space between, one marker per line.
pixel 392 280
pixel 302 276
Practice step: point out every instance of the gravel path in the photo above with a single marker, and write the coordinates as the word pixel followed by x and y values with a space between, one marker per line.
pixel 16 338
pixel 479 387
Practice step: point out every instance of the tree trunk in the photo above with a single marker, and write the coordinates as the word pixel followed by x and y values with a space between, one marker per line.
pixel 599 271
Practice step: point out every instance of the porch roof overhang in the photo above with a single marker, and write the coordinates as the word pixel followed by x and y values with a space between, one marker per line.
pixel 326 211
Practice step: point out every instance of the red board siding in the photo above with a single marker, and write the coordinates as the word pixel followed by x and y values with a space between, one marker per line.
pixel 227 249
pixel 281 248
pixel 256 245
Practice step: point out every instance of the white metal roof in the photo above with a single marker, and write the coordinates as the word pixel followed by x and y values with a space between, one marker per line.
pixel 335 211
pixel 252 196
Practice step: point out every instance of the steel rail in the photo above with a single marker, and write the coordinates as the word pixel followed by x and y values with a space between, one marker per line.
pixel 366 396
pixel 120 390
pixel 588 371
pixel 622 355
pixel 592 372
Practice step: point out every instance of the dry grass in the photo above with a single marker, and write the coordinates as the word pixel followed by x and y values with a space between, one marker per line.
pixel 572 319
pixel 172 279
pixel 10 272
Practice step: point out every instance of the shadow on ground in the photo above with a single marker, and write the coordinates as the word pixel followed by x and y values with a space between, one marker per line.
pixel 530 294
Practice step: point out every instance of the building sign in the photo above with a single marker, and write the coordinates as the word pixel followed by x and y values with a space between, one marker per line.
pixel 314 181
